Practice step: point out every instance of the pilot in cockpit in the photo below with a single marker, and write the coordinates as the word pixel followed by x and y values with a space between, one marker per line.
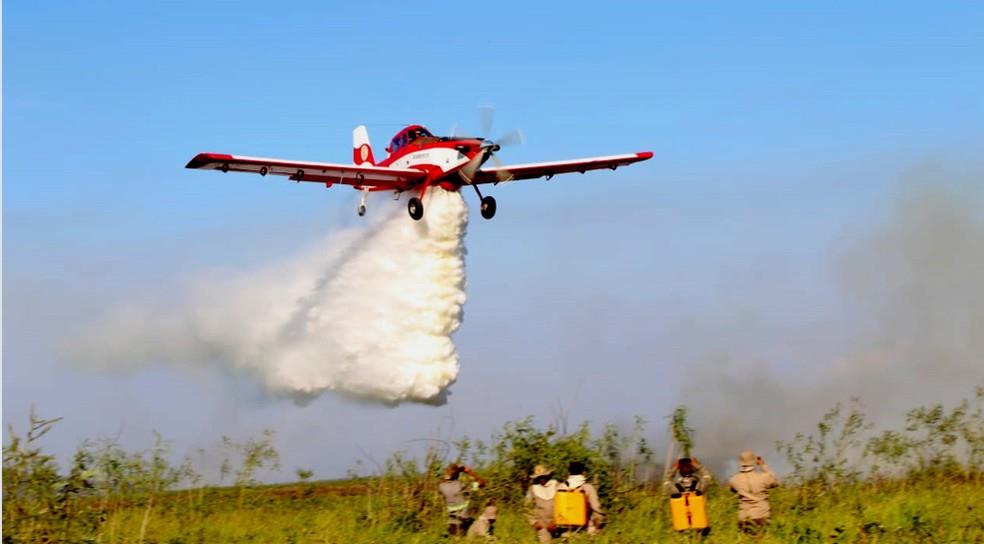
pixel 418 132
pixel 408 137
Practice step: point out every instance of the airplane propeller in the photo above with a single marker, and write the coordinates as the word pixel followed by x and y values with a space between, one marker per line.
pixel 509 139
pixel 513 137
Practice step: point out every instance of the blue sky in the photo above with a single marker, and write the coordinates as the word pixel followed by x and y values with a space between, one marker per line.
pixel 779 129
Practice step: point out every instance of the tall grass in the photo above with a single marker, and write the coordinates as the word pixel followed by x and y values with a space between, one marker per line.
pixel 848 483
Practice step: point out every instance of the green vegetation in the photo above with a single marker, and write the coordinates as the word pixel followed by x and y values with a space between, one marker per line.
pixel 848 483
pixel 682 433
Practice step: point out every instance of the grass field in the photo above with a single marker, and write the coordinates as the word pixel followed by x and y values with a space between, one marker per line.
pixel 922 483
pixel 923 510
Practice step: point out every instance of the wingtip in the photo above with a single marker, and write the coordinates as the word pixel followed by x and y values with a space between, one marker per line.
pixel 202 159
pixel 644 155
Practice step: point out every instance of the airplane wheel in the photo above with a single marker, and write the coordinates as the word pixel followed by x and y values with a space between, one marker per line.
pixel 488 207
pixel 362 210
pixel 416 208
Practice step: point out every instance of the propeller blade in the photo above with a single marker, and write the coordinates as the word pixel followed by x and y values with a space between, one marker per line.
pixel 501 174
pixel 487 112
pixel 453 133
pixel 514 137
pixel 470 169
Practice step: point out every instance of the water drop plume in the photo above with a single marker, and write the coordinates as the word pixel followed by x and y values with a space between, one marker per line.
pixel 367 313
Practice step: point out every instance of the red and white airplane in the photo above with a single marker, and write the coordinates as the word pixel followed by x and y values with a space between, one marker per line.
pixel 417 161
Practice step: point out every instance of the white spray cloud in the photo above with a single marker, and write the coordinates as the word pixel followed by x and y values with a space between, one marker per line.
pixel 368 313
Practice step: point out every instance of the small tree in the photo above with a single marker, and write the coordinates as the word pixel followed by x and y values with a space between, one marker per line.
pixel 30 483
pixel 973 434
pixel 682 433
pixel 255 454
pixel 935 440
pixel 831 455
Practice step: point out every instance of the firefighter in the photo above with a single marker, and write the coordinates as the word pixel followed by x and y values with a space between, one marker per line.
pixel 689 476
pixel 576 480
pixel 540 503
pixel 455 494
pixel 752 487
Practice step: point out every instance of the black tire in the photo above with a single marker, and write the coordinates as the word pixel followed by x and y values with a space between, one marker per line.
pixel 416 208
pixel 488 207
pixel 361 210
pixel 225 168
pixel 263 171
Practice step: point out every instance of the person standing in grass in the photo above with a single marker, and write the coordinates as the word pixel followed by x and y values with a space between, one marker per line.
pixel 688 476
pixel 752 487
pixel 576 480
pixel 455 494
pixel 540 503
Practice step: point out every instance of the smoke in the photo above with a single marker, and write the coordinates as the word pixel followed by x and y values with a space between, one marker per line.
pixel 911 332
pixel 368 313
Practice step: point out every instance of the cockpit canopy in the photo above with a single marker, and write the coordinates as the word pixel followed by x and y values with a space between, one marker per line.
pixel 407 136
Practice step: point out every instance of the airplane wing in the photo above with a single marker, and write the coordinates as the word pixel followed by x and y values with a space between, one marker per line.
pixel 550 169
pixel 361 177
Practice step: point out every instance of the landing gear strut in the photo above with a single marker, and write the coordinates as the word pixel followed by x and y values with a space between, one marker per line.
pixel 416 208
pixel 488 204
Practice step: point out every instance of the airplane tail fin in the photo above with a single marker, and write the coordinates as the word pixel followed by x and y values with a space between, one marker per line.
pixel 361 148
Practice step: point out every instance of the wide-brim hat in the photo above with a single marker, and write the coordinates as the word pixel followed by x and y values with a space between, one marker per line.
pixel 747 459
pixel 539 471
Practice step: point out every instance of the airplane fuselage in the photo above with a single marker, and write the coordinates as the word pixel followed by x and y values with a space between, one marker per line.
pixel 446 160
